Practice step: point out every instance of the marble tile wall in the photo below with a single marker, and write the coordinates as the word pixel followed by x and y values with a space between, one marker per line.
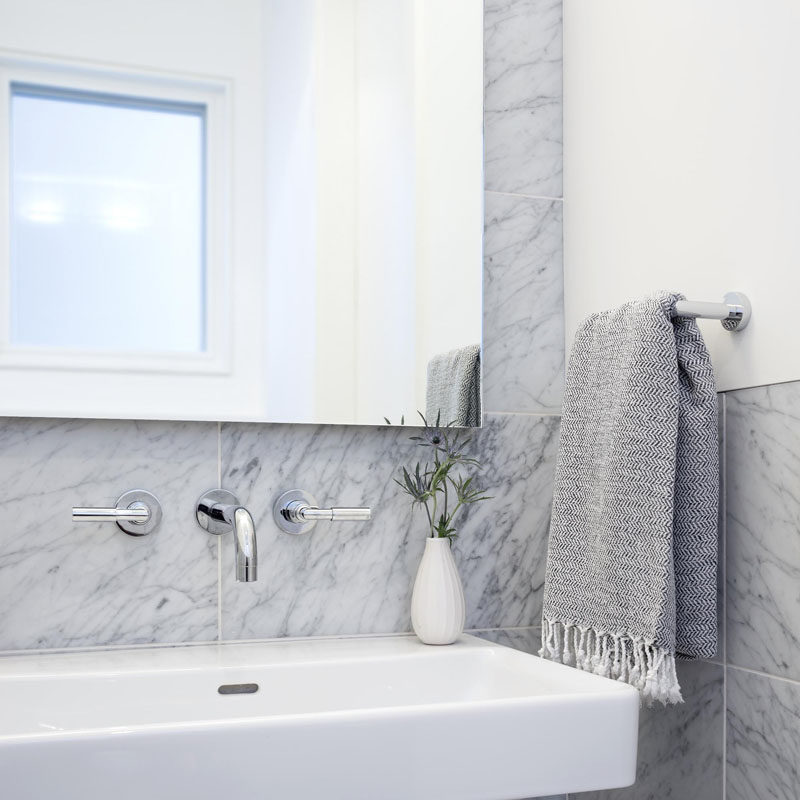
pixel 76 585
pixel 738 735
pixel 64 584
pixel 680 747
pixel 523 333
pixel 762 590
pixel 523 108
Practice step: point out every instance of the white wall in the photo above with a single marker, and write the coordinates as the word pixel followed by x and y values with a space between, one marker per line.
pixel 682 166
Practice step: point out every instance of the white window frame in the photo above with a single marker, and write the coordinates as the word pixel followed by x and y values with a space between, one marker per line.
pixel 215 96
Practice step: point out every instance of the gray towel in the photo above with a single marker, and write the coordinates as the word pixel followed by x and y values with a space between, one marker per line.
pixel 454 387
pixel 632 558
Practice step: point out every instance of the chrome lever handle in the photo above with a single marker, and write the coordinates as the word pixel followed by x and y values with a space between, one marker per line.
pixel 297 512
pixel 137 512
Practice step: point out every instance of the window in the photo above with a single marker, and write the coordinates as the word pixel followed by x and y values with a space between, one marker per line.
pixel 107 222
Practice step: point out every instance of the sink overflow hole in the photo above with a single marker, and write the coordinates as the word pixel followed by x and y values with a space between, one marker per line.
pixel 238 688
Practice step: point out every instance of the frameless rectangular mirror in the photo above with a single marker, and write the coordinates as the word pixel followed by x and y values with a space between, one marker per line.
pixel 264 210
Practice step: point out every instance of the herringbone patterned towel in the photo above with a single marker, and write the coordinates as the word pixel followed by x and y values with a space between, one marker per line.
pixel 632 558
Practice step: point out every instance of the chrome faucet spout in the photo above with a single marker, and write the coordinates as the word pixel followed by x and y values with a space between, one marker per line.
pixel 244 541
pixel 219 512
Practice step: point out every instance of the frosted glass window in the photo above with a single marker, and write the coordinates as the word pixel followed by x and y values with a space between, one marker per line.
pixel 107 222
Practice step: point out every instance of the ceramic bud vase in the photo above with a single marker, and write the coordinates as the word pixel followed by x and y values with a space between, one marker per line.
pixel 438 611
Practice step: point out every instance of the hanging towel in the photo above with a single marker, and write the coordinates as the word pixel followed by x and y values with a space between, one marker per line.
pixel 632 557
pixel 454 387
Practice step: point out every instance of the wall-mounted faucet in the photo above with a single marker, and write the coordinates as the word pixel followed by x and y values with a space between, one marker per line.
pixel 218 511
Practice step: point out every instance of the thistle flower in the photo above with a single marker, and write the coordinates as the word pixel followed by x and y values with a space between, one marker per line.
pixel 431 485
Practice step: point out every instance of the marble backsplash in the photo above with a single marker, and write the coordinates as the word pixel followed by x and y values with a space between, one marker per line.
pixel 65 584
pixel 357 578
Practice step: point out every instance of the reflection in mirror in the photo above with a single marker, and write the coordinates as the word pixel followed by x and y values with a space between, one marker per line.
pixel 264 210
pixel 106 196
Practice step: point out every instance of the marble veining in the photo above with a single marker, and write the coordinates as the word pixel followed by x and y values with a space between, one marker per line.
pixel 680 747
pixel 357 577
pixel 67 584
pixel 763 529
pixel 523 329
pixel 528 639
pixel 523 97
pixel 763 737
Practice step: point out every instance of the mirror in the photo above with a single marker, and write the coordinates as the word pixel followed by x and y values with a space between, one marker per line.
pixel 264 210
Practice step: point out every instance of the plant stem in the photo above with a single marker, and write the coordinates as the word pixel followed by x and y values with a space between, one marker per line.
pixel 427 511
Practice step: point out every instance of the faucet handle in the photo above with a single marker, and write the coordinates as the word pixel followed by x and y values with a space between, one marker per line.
pixel 137 512
pixel 301 512
pixel 297 512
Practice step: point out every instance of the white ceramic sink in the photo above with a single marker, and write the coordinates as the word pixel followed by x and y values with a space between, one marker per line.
pixel 374 718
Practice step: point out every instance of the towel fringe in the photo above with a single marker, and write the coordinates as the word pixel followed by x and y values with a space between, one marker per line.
pixel 648 667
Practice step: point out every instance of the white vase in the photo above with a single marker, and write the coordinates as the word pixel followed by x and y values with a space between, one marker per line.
pixel 438 611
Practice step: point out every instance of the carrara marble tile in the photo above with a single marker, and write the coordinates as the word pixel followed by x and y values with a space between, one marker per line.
pixel 680 747
pixel 523 329
pixel 350 578
pixel 65 584
pixel 528 640
pixel 763 737
pixel 523 96
pixel 763 529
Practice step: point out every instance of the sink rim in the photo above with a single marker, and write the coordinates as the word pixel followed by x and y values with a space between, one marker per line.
pixel 265 656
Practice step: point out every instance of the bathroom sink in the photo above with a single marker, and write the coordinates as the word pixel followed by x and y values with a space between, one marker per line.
pixel 376 718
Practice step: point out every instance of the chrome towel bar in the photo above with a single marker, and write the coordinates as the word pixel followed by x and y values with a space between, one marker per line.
pixel 734 312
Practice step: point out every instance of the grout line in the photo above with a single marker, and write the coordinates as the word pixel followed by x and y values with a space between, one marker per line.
pixel 206 642
pixel 219 538
pixel 724 532
pixel 509 628
pixel 724 542
pixel 101 648
pixel 724 731
pixel 219 455
pixel 202 643
pixel 790 681
pixel 219 588
pixel 526 196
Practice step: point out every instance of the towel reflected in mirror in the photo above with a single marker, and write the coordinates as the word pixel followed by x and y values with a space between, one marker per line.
pixel 454 388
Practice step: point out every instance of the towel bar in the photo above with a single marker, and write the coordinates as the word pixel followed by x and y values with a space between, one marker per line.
pixel 734 313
